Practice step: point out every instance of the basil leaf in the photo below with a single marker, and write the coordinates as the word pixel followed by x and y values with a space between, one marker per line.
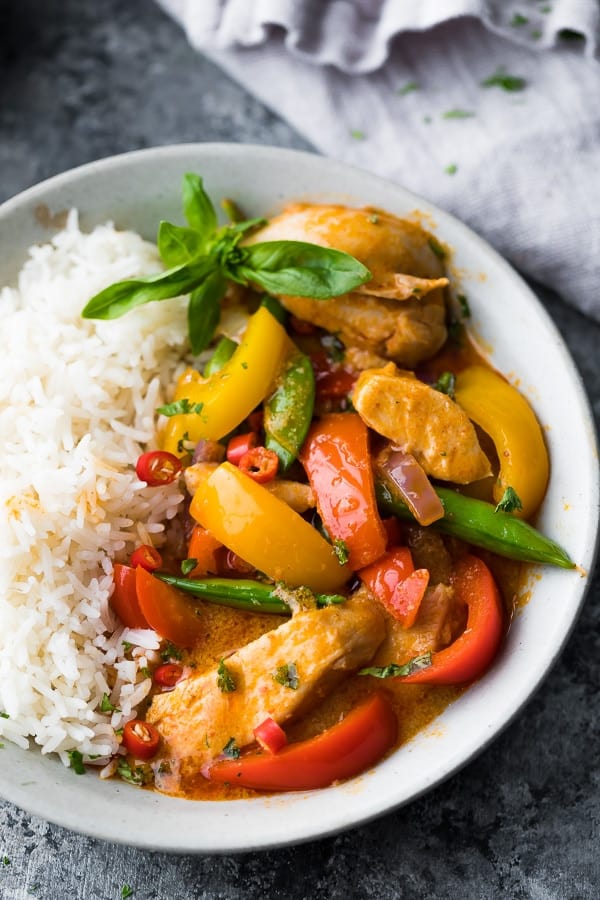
pixel 178 245
pixel 117 299
pixel 204 311
pixel 393 670
pixel 197 206
pixel 300 269
pixel 242 227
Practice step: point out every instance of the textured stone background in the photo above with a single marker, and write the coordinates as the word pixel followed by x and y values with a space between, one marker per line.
pixel 80 80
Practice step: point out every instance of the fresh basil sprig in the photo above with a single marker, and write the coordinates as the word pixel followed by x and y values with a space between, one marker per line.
pixel 202 257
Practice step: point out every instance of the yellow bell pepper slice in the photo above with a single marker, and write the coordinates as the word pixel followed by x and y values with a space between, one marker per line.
pixel 266 532
pixel 228 396
pixel 501 411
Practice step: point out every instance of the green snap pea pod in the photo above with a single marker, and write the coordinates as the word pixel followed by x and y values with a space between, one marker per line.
pixel 222 354
pixel 478 523
pixel 247 595
pixel 288 411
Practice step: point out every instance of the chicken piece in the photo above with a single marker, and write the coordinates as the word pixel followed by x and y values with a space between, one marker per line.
pixel 298 496
pixel 423 422
pixel 431 631
pixel 399 314
pixel 198 719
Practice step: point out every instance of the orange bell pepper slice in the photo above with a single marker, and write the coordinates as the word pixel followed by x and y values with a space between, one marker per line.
pixel 203 548
pixel 336 458
pixel 168 611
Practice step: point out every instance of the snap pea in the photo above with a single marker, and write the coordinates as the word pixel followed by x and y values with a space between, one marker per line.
pixel 288 411
pixel 222 354
pixel 247 595
pixel 478 523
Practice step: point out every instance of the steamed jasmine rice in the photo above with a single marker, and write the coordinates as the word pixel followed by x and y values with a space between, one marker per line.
pixel 77 408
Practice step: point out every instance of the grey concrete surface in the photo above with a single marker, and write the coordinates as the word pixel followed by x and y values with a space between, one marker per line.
pixel 80 80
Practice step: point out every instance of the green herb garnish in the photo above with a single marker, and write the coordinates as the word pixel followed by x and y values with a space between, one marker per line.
pixel 395 671
pixel 139 775
pixel 465 309
pixel 231 749
pixel 437 248
pixel 335 348
pixel 357 135
pixel 126 891
pixel 106 706
pixel 170 651
pixel 287 675
pixel 509 502
pixel 446 384
pixel 225 680
pixel 201 258
pixel 340 548
pixel 507 82
pixel 181 443
pixel 188 565
pixel 568 34
pixel 518 20
pixel 458 114
pixel 5 861
pixel 180 407
pixel 452 169
pixel 126 646
pixel 76 761
pixel 4 715
pixel 408 88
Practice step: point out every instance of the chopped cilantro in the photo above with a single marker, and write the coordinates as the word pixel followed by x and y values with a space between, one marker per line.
pixel 118 731
pixel 106 706
pixel 188 565
pixel 510 501
pixel 518 19
pixel 126 891
pixel 231 749
pixel 287 675
pixel 357 135
pixel 145 671
pixel 126 646
pixel 437 248
pixel 139 775
pixel 452 169
pixel 4 715
pixel 458 114
pixel 395 671
pixel 170 651
pixel 177 407
pixel 329 600
pixel 340 548
pixel 465 309
pixel 225 680
pixel 5 861
pixel 182 442
pixel 502 80
pixel 76 761
pixel 446 384
pixel 408 88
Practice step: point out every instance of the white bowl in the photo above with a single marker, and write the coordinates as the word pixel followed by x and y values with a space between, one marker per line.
pixel 136 190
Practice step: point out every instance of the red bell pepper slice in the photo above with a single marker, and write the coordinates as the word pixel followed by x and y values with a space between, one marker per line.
pixel 347 749
pixel 471 653
pixel 124 599
pixel 396 584
pixel 337 462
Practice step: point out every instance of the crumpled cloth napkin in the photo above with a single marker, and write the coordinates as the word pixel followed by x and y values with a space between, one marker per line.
pixel 453 100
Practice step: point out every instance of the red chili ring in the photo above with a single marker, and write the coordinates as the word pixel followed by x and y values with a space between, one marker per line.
pixel 158 467
pixel 259 464
pixel 147 557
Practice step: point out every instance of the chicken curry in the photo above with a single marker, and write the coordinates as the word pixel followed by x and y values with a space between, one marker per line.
pixel 351 549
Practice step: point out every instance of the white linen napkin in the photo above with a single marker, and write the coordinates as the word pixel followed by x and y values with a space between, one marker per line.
pixel 399 88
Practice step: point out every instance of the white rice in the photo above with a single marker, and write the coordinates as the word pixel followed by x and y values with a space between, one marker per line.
pixel 77 402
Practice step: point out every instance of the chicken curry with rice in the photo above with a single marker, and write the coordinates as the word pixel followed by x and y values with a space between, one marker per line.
pixel 359 487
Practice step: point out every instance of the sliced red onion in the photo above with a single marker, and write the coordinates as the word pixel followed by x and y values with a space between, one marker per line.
pixel 413 485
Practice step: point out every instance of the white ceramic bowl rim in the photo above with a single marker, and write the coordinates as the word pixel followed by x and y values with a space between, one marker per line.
pixel 136 190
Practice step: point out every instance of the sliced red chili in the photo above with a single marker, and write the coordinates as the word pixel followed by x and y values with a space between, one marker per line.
pixel 259 464
pixel 158 467
pixel 270 735
pixel 141 739
pixel 168 674
pixel 239 445
pixel 147 557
